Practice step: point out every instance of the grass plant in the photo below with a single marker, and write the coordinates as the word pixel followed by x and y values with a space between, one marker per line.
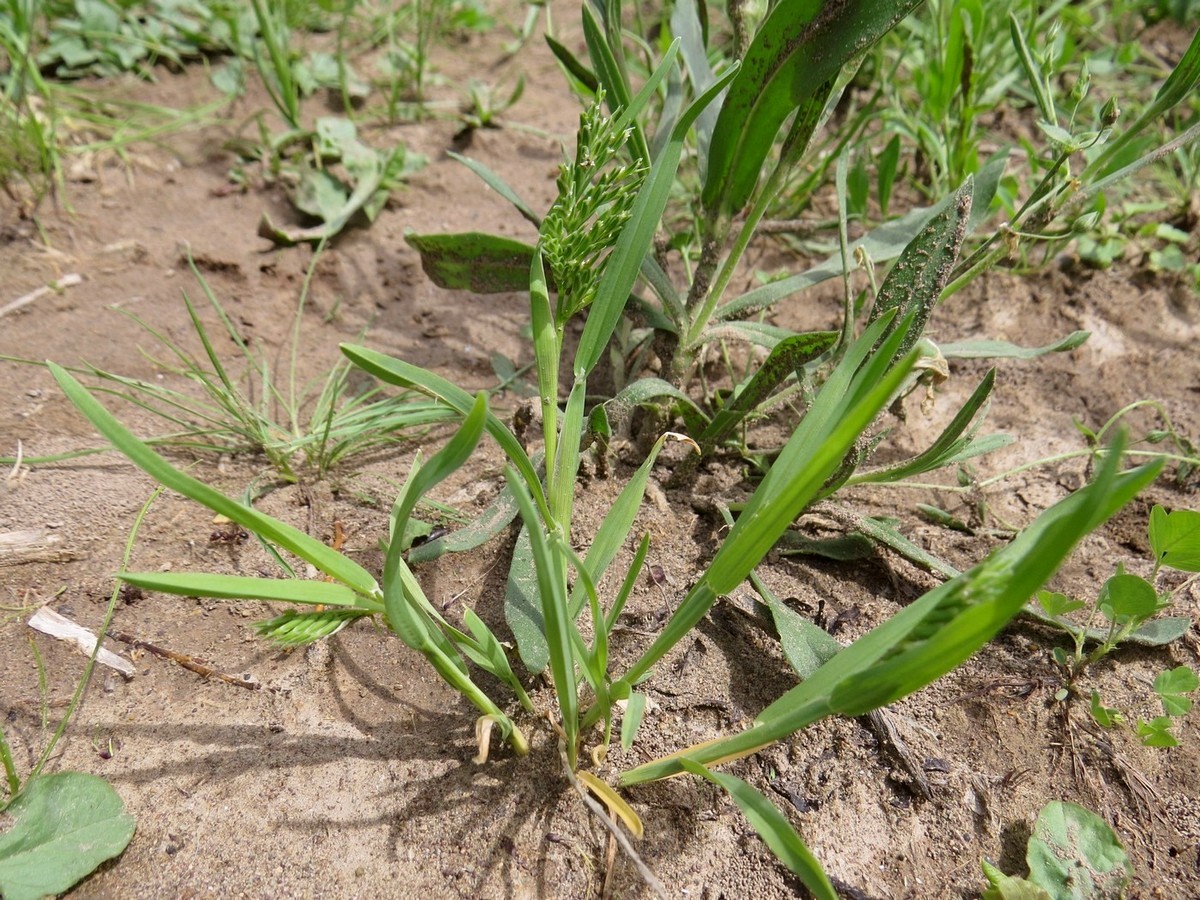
pixel 304 430
pixel 597 240
pixel 743 117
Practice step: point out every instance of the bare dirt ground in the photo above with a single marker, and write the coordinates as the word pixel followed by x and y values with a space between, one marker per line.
pixel 349 773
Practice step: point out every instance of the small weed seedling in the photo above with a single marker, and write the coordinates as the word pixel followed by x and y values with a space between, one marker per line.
pixel 303 430
pixel 1072 854
pixel 64 824
pixel 1125 610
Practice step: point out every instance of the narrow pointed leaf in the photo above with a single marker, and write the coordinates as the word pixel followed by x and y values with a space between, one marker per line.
pixel 402 374
pixel 989 349
pixel 775 830
pixel 241 587
pixel 270 529
pixel 499 185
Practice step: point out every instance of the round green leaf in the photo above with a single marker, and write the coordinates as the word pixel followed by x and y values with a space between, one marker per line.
pixel 65 825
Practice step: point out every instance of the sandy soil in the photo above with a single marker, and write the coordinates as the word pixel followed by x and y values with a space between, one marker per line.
pixel 349 773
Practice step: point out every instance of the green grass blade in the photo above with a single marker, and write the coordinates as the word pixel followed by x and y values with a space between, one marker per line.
pixel 934 634
pixel 635 569
pixel 611 76
pixel 948 445
pixel 292 539
pixel 685 22
pixel 845 406
pixel 566 466
pixel 799 47
pixel 773 827
pixel 241 587
pixel 402 374
pixel 573 66
pixel 440 466
pixel 499 185
pixel 618 522
pixel 915 282
pixel 550 566
pixel 623 265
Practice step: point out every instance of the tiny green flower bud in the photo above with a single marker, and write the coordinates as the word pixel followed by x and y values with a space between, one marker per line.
pixel 1110 113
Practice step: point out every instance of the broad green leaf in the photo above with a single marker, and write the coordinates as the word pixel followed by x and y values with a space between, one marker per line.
pixel 1007 887
pixel 1175 538
pixel 270 529
pixel 935 633
pixel 625 262
pixel 1125 598
pixel 1172 688
pixel 242 587
pixel 523 609
pixel 1156 732
pixel 843 548
pixel 498 516
pixel 643 392
pixel 799 47
pixel 762 334
pixel 63 827
pixel 1056 604
pixel 775 830
pixel 1105 716
pixel 806 644
pixel 1074 855
pixel 482 263
pixel 988 349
